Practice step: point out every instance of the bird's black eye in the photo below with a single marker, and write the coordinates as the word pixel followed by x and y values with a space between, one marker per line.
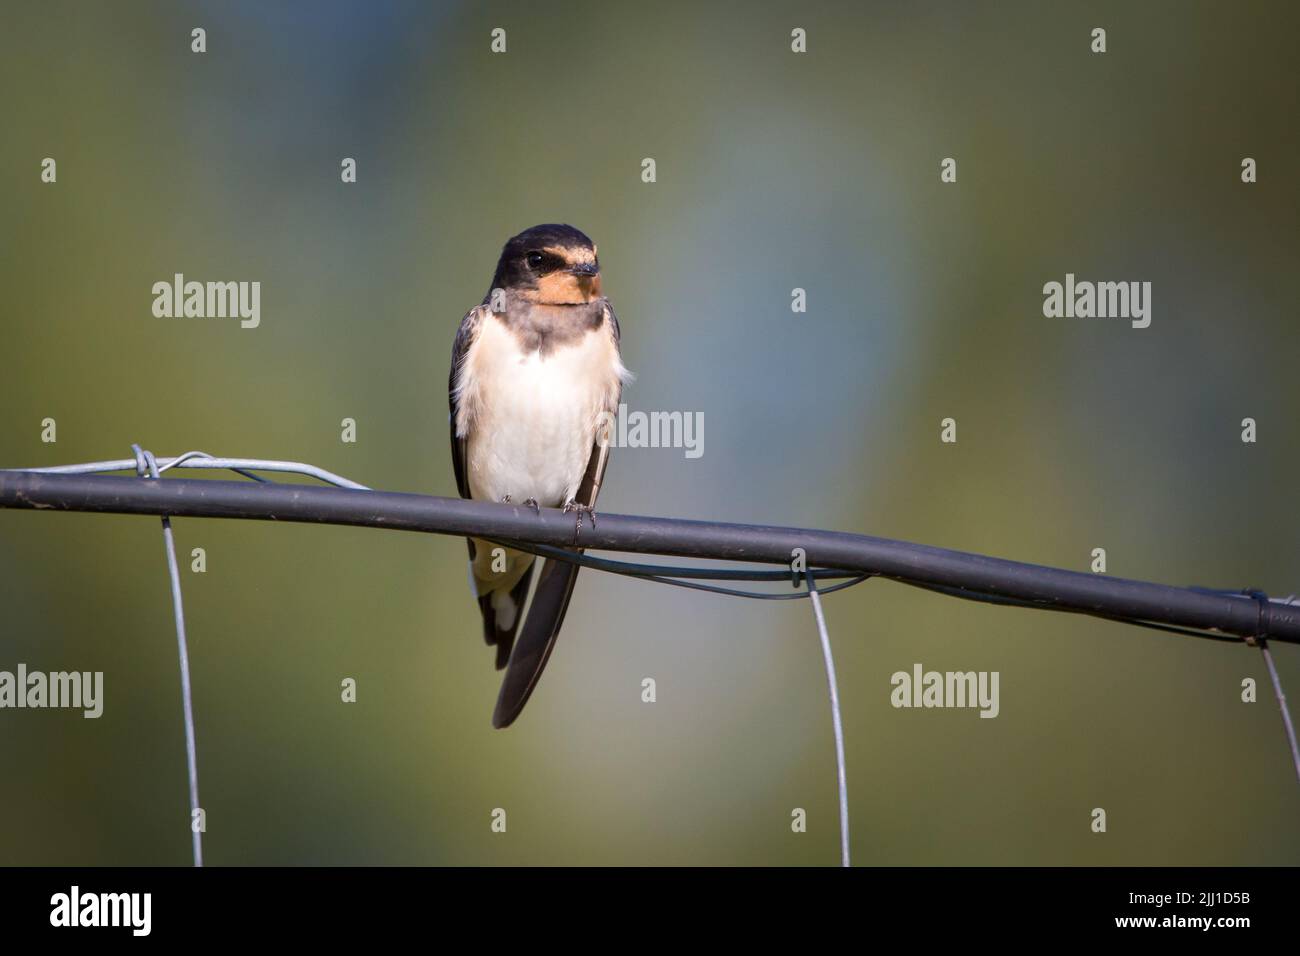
pixel 535 259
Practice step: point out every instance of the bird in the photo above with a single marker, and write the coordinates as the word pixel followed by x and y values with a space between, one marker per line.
pixel 536 376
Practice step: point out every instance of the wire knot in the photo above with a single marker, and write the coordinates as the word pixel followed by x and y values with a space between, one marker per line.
pixel 146 466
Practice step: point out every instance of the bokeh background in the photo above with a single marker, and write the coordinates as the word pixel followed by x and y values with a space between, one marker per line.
pixel 775 171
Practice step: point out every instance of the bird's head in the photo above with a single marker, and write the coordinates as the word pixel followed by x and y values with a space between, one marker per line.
pixel 550 265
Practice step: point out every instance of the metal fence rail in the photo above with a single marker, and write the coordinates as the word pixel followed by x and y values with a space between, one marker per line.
pixel 1232 615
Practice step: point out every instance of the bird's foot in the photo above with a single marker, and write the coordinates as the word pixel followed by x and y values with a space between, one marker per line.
pixel 580 510
pixel 532 503
pixel 506 499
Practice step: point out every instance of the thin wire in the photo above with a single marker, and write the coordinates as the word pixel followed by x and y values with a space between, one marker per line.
pixel 635 569
pixel 147 463
pixel 197 459
pixel 1281 702
pixel 753 595
pixel 836 720
pixel 665 574
pixel 999 600
pixel 1287 725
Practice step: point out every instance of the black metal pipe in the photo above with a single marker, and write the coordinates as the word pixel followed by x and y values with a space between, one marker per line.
pixel 1051 588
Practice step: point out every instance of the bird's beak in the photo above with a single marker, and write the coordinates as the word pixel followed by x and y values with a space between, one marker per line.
pixel 585 270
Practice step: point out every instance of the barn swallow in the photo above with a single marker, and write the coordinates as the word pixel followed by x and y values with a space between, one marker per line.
pixel 535 368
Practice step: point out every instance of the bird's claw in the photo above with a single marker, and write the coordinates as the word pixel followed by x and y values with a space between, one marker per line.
pixel 580 510
pixel 528 503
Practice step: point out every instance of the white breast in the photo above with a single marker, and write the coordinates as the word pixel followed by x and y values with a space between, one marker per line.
pixel 532 417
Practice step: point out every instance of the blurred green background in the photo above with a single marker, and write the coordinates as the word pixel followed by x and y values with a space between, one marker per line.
pixel 775 171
